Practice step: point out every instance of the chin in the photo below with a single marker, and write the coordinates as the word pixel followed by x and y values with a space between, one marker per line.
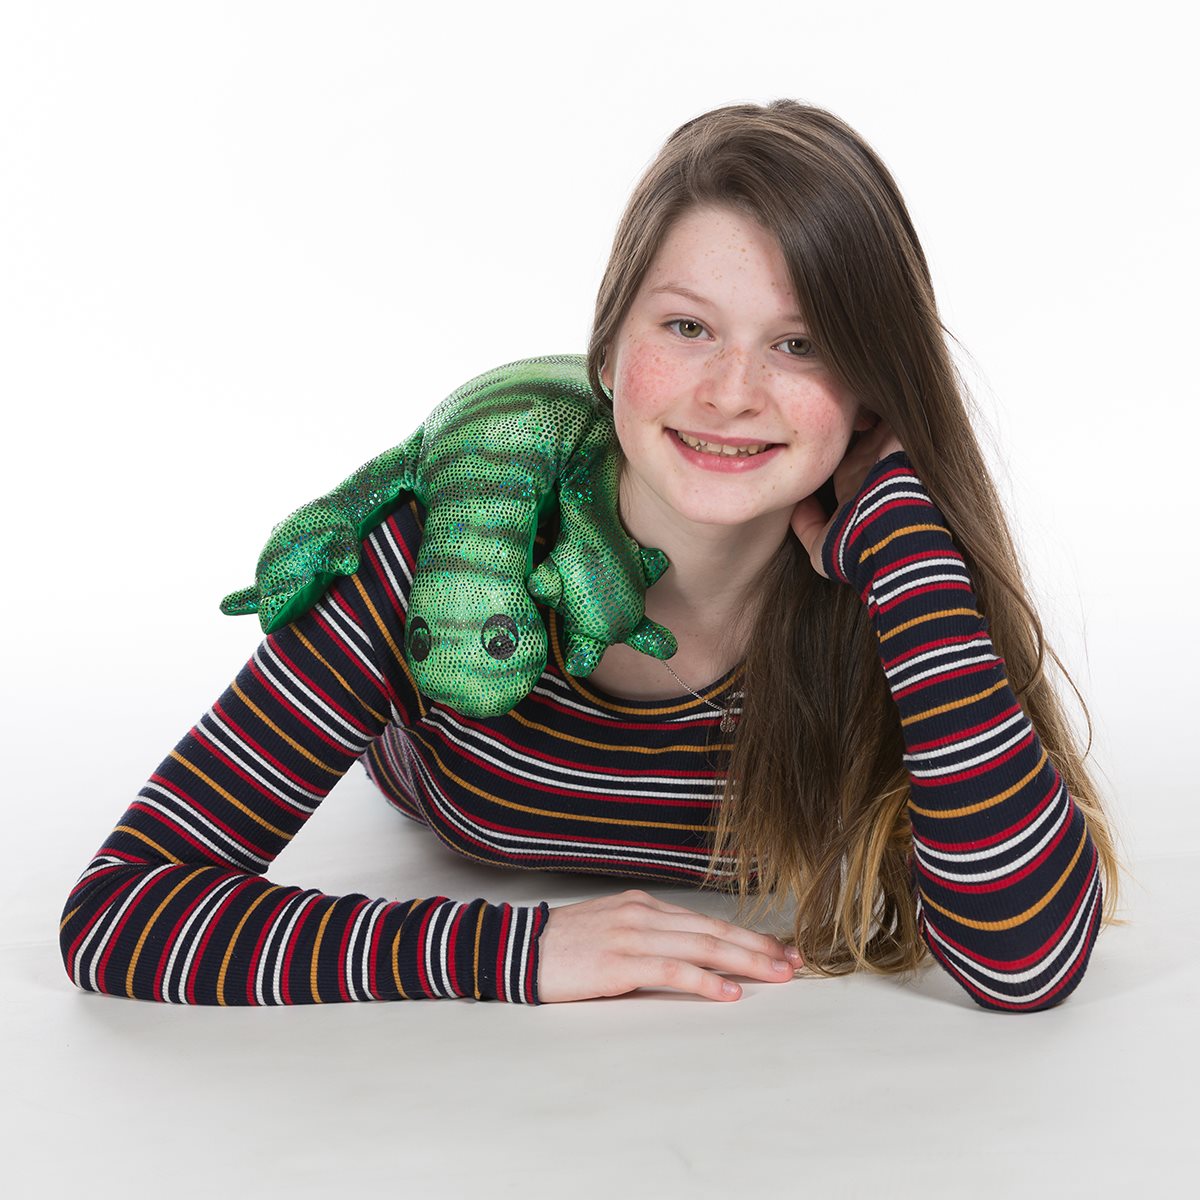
pixel 711 513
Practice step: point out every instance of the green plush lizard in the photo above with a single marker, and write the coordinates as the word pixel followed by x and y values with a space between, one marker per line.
pixel 487 463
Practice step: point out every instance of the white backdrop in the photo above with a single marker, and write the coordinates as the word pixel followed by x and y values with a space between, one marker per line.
pixel 246 246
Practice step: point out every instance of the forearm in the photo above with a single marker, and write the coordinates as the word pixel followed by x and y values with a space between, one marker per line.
pixel 173 906
pixel 1005 873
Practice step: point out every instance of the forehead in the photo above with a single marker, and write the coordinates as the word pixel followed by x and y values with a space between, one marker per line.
pixel 717 254
pixel 710 228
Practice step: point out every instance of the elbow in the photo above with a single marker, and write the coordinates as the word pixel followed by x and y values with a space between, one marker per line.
pixel 77 930
pixel 1026 979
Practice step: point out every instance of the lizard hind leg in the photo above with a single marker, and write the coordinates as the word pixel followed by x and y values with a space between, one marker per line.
pixel 545 584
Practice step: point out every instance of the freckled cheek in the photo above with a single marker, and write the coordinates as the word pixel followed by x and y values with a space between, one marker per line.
pixel 824 428
pixel 646 387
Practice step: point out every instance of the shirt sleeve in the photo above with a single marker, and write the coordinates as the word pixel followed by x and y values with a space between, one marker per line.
pixel 174 905
pixel 1005 873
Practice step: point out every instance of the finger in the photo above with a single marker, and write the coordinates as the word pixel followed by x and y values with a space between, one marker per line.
pixel 694 922
pixel 807 520
pixel 684 977
pixel 710 950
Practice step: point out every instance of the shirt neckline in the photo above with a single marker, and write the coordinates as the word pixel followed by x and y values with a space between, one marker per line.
pixel 599 696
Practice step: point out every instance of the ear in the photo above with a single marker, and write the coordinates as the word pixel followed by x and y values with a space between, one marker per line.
pixel 606 370
pixel 865 419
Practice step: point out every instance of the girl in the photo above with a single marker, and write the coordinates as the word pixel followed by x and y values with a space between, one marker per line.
pixel 767 338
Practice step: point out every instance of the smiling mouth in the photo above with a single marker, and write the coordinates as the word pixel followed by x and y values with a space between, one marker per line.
pixel 721 450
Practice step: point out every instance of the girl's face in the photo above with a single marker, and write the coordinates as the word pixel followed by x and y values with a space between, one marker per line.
pixel 731 364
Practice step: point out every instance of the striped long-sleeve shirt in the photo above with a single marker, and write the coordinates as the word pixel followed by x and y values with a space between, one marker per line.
pixel 175 907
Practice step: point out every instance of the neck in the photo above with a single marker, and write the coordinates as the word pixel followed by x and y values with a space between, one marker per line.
pixel 709 595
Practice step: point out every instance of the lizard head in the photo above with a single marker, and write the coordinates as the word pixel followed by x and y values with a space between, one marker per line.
pixel 473 640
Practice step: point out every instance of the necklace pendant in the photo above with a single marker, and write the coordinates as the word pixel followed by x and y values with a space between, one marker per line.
pixel 728 722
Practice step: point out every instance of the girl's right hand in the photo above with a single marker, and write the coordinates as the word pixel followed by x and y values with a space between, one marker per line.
pixel 616 944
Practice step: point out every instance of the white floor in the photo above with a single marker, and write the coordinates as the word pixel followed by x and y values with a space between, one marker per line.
pixel 849 1087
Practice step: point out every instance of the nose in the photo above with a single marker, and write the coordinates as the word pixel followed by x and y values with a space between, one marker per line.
pixel 733 383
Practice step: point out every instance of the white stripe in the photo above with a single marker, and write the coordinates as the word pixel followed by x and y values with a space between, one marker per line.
pixel 938 652
pixel 977 972
pixel 1059 813
pixel 935 671
pixel 188 946
pixel 350 632
pixel 350 745
pixel 964 764
pixel 444 947
pixel 299 905
pixel 1018 718
pixel 911 584
pixel 224 847
pixel 550 847
pixel 347 964
pixel 375 914
pixel 241 753
pixel 382 536
pixel 437 984
pixel 495 752
pixel 106 925
pixel 923 564
pixel 526 918
pixel 269 937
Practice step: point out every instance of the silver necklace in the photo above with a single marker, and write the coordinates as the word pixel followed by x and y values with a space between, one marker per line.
pixel 728 719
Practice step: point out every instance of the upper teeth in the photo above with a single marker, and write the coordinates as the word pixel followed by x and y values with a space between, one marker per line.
pixel 715 448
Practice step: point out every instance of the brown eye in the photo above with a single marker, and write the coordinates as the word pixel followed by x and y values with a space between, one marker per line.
pixel 806 342
pixel 685 321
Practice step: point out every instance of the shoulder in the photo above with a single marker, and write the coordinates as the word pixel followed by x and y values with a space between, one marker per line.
pixel 393 547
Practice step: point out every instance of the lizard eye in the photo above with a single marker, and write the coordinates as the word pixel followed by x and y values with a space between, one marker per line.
pixel 499 636
pixel 419 639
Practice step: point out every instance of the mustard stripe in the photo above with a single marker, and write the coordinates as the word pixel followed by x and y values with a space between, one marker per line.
pixel 291 741
pixel 396 951
pixel 228 955
pixel 630 749
pixel 982 805
pixel 316 954
pixel 397 653
pixel 381 717
pixel 145 933
pixel 362 591
pixel 556 814
pixel 475 955
pixel 138 835
pixel 230 797
pixel 933 616
pixel 902 532
pixel 965 702
pixel 1020 918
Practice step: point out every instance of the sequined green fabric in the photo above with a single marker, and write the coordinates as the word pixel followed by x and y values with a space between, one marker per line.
pixel 486 463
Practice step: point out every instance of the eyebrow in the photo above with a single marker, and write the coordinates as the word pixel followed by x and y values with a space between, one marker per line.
pixel 679 290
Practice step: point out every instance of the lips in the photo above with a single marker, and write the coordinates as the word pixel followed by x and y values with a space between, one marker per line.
pixel 720 463
pixel 714 439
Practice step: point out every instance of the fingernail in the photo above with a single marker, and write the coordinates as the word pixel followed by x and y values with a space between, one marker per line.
pixel 792 954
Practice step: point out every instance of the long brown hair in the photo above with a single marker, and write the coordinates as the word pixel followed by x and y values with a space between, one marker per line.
pixel 814 803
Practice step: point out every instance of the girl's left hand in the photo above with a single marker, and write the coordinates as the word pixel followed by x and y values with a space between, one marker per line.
pixel 809 522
